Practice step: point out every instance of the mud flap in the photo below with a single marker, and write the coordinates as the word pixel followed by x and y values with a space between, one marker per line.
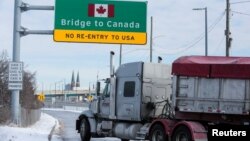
pixel 78 125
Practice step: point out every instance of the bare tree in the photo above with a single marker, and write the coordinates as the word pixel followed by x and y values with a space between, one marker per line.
pixel 4 93
pixel 28 99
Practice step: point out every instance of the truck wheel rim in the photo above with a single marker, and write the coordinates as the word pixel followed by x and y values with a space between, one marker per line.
pixel 182 137
pixel 157 136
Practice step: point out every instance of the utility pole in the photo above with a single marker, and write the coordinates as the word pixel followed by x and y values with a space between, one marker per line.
pixel 227 31
pixel 151 39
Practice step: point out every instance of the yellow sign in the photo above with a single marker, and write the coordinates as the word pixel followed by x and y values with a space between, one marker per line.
pixel 90 98
pixel 138 38
pixel 41 97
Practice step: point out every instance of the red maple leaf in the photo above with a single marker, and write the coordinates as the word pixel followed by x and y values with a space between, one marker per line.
pixel 101 10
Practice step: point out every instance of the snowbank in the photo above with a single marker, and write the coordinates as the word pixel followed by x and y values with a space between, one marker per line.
pixel 38 132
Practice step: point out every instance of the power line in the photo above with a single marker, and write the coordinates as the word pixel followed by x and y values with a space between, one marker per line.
pixel 221 41
pixel 241 13
pixel 193 43
pixel 200 37
pixel 184 49
pixel 219 44
pixel 217 21
pixel 240 2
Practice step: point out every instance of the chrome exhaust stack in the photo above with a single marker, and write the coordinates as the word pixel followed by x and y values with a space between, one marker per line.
pixel 112 68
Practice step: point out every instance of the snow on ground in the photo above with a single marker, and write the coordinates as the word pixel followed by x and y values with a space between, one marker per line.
pixel 39 131
pixel 76 110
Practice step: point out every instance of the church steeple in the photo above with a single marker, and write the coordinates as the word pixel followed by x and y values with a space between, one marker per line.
pixel 73 83
pixel 77 80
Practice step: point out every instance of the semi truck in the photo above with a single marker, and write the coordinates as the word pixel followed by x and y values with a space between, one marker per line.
pixel 159 102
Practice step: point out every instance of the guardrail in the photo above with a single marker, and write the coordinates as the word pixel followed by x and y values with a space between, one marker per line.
pixel 62 104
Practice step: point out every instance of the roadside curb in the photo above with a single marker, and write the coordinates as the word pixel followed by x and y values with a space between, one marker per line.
pixel 52 131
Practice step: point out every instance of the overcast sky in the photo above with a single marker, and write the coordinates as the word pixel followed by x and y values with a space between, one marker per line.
pixel 176 32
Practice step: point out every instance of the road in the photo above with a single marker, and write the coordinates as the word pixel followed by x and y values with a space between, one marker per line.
pixel 67 122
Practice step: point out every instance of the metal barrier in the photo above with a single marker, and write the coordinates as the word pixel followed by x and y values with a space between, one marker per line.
pixel 62 104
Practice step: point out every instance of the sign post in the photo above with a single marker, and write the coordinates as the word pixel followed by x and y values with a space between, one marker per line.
pixel 15 107
pixel 18 32
pixel 99 21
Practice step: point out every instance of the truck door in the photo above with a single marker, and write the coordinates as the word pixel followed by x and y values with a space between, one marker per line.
pixel 128 98
pixel 105 101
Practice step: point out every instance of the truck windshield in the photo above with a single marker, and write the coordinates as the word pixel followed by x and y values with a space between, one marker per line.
pixel 106 91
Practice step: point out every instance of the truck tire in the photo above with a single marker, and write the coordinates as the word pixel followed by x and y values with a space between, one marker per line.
pixel 157 133
pixel 85 130
pixel 182 133
pixel 124 140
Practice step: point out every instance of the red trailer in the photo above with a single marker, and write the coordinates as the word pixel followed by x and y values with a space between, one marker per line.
pixel 205 91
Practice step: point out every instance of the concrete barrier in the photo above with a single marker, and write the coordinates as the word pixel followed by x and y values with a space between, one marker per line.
pixel 29 116
pixel 61 104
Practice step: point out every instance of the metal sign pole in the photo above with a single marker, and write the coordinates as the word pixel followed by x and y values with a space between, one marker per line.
pixel 15 107
pixel 18 32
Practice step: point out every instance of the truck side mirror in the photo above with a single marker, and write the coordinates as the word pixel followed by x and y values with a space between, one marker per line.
pixel 139 76
pixel 98 88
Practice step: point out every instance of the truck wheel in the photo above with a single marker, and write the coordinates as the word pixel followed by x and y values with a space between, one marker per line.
pixel 124 140
pixel 85 130
pixel 157 133
pixel 182 133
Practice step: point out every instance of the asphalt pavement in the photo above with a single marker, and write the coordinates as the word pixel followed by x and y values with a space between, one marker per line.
pixel 67 122
pixel 67 130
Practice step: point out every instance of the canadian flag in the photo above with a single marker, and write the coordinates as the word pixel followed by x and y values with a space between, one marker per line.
pixel 101 10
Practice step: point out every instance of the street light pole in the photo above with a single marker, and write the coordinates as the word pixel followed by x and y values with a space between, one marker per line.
pixel 151 39
pixel 206 31
pixel 206 46
pixel 55 88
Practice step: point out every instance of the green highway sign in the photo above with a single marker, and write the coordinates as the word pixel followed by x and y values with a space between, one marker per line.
pixel 100 21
